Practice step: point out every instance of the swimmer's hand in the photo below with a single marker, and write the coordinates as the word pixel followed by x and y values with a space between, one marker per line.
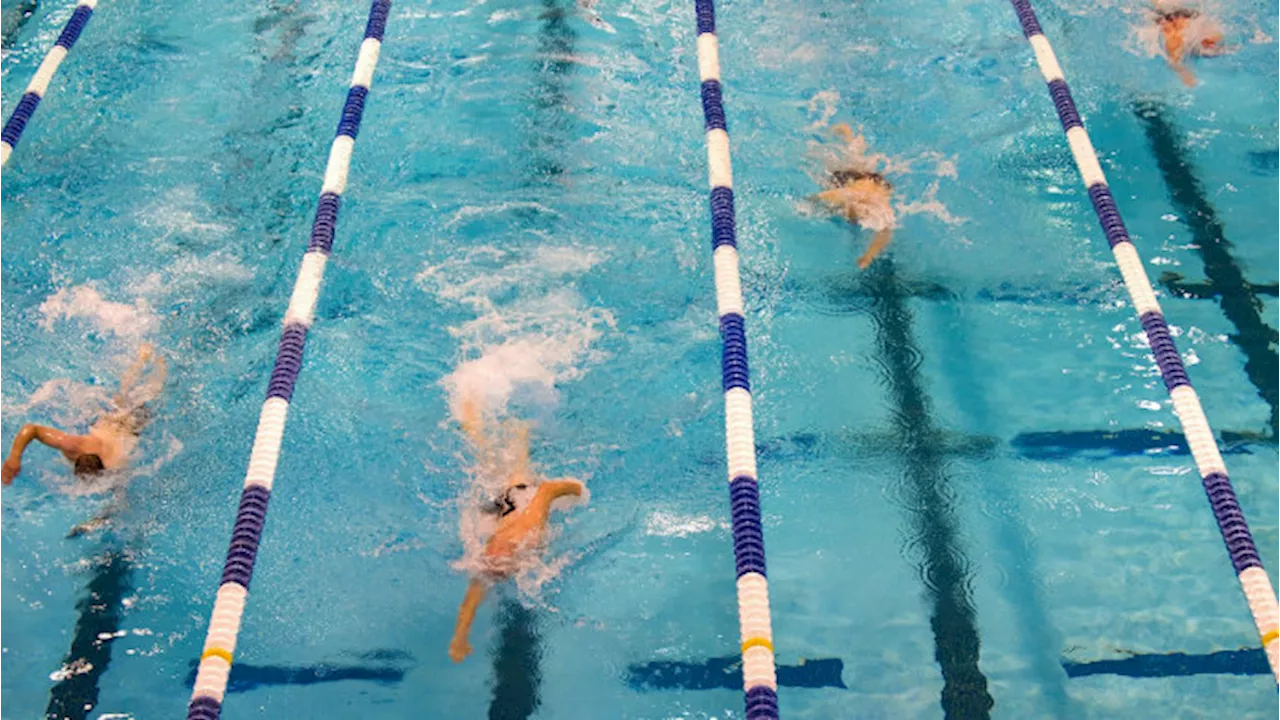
pixel 12 467
pixel 459 649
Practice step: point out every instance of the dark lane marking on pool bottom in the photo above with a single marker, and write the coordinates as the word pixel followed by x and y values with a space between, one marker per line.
pixel 865 445
pixel 75 694
pixel 1264 162
pixel 245 677
pixel 725 673
pixel 12 20
pixel 1235 295
pixel 1057 445
pixel 1251 661
pixel 1175 284
pixel 516 674
pixel 843 293
pixel 944 568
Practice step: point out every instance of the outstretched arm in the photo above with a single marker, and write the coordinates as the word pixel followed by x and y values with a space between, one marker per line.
pixel 52 437
pixel 459 647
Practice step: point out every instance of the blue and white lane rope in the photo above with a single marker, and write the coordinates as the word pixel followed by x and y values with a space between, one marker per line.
pixel 1186 404
pixel 224 625
pixel 759 676
pixel 21 115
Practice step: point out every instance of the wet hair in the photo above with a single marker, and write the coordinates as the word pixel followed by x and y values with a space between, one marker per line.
pixel 1180 13
pixel 846 177
pixel 89 464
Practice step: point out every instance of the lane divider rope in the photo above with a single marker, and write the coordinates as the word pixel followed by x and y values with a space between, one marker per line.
pixel 39 85
pixel 228 608
pixel 759 675
pixel 1186 404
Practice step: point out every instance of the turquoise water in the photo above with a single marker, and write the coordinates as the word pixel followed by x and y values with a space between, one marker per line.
pixel 529 183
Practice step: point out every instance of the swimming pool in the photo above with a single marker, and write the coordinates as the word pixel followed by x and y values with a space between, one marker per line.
pixel 954 446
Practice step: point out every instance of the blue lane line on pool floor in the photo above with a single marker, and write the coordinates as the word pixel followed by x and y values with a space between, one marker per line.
pixel 13 19
pixel 1226 282
pixel 75 695
pixel 246 676
pixel 944 568
pixel 1060 444
pixel 1251 661
pixel 725 673
pixel 517 671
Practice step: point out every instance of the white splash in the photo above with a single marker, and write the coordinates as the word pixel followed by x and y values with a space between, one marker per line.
pixel 85 302
pixel 180 212
pixel 189 273
pixel 524 347
pixel 662 523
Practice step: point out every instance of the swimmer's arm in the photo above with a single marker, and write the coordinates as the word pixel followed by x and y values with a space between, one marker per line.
pixel 52 437
pixel 878 244
pixel 1188 77
pixel 459 647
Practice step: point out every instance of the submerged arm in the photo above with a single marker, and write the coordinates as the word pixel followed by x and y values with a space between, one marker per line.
pixel 459 647
pixel 878 244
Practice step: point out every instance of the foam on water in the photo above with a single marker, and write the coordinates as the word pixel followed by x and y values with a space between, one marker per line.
pixel 663 523
pixel 532 331
pixel 84 302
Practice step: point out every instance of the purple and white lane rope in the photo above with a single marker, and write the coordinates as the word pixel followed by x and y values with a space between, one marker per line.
pixel 759 676
pixel 1186 404
pixel 228 608
pixel 21 114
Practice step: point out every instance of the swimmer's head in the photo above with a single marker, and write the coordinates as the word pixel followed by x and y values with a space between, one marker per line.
pixel 519 494
pixel 89 464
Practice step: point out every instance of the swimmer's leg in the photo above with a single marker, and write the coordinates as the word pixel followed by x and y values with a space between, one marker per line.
pixel 459 647
pixel 103 518
pixel 135 391
pixel 878 244
pixel 518 452
pixel 473 424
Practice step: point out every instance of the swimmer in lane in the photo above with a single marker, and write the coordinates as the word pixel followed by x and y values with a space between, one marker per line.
pixel 522 512
pixel 860 193
pixel 112 437
pixel 1185 33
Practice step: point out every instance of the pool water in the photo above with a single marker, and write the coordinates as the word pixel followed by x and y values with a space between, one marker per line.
pixel 959 460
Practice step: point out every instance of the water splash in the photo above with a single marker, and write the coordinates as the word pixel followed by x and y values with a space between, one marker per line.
pixel 84 302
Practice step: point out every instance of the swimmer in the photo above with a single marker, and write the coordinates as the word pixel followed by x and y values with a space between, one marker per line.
pixel 112 437
pixel 860 194
pixel 1185 33
pixel 522 512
